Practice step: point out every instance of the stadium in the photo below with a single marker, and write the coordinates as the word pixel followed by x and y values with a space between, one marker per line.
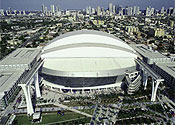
pixel 86 59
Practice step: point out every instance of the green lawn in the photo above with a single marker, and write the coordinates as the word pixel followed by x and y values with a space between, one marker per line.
pixel 78 103
pixel 88 111
pixel 47 118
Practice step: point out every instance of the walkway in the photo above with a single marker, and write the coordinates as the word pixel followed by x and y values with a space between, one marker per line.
pixel 71 109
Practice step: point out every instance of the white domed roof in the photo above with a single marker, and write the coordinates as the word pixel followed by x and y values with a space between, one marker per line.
pixel 87 53
pixel 87 43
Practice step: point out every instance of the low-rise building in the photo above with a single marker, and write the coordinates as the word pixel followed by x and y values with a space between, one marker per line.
pixel 132 29
pixel 156 32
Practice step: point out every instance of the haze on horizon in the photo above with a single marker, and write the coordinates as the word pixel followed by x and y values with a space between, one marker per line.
pixel 82 4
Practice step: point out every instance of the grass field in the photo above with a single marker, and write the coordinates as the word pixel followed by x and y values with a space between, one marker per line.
pixel 47 118
pixel 88 111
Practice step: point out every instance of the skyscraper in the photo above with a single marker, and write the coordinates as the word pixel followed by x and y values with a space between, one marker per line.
pixel 126 10
pixel 138 10
pixel 113 9
pixel 149 11
pixel 120 11
pixel 134 10
pixel 110 8
pixel 162 10
pixel 57 9
pixel 87 10
pixel 93 11
pixel 174 11
pixel 170 11
pixel 2 12
pixel 52 9
pixel 98 11
pixel 90 10
pixel 43 8
pixel 46 11
pixel 103 11
pixel 58 12
pixel 117 9
pixel 130 11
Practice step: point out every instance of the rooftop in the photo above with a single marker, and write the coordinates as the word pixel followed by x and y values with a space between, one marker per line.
pixel 88 64
pixel 36 115
pixel 146 51
pixel 168 67
pixel 20 56
pixel 87 36
pixel 8 78
pixel 87 43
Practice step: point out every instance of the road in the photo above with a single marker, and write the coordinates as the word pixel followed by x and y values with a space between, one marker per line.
pixel 71 109
pixel 50 109
pixel 161 115
pixel 31 38
pixel 10 109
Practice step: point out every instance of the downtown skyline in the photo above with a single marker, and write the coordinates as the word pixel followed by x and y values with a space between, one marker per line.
pixel 82 4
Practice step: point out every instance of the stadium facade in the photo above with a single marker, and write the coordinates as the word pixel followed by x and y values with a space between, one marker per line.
pixel 86 59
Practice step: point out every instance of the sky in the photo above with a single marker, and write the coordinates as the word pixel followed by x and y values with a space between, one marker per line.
pixel 81 4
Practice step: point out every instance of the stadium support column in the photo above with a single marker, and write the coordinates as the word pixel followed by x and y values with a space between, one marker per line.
pixel 37 89
pixel 26 89
pixel 145 80
pixel 154 90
